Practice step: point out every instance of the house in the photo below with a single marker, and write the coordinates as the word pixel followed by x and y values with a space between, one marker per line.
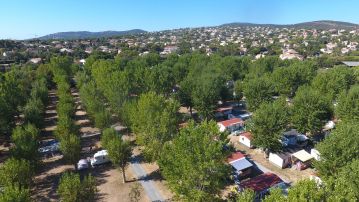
pixel 261 184
pixel 223 112
pixel 246 138
pixel 301 159
pixel 231 125
pixel 240 164
pixel 293 138
pixel 169 50
pixel 281 160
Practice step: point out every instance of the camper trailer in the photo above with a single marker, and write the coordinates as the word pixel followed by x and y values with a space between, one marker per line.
pixel 99 158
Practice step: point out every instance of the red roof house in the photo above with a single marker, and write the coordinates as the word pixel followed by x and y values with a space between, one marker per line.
pixel 261 183
pixel 230 125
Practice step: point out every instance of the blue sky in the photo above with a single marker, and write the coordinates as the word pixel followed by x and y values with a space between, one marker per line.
pixel 21 19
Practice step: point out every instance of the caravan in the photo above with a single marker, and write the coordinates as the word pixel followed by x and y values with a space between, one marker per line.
pixel 100 157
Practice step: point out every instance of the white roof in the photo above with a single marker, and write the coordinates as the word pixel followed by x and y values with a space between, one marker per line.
pixel 302 155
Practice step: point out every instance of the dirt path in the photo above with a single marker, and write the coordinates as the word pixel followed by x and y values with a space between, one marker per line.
pixel 46 181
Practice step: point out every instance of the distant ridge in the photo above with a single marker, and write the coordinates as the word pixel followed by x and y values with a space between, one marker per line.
pixel 322 24
pixel 87 35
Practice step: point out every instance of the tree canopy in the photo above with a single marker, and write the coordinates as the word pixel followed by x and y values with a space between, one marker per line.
pixel 193 163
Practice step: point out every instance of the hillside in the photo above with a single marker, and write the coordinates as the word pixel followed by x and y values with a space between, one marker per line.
pixel 323 24
pixel 86 34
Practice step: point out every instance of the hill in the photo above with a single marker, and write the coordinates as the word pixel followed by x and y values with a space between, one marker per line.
pixel 86 34
pixel 323 24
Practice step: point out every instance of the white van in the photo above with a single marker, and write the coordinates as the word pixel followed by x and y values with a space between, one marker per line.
pixel 100 157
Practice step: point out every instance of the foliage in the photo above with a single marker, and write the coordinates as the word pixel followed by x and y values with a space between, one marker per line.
pixel 348 105
pixel 34 112
pixel 246 195
pixel 344 185
pixel 338 149
pixel 257 91
pixel 14 194
pixel 275 195
pixel 333 81
pixel 71 189
pixel 154 121
pixel 193 163
pixel 311 110
pixel 269 122
pixel 16 172
pixel 119 150
pixel 306 190
pixel 26 146
pixel 70 147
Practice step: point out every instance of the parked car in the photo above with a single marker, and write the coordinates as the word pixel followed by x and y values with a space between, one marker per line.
pixel 99 158
pixel 50 146
pixel 82 164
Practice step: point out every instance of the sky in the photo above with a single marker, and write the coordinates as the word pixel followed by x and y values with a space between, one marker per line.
pixel 23 19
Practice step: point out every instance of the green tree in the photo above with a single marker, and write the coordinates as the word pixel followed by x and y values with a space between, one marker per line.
pixel 71 189
pixel 16 172
pixel 14 194
pixel 155 122
pixel 26 146
pixel 333 81
pixel 311 110
pixel 268 124
pixel 34 112
pixel 306 190
pixel 71 148
pixel 348 105
pixel 246 195
pixel 119 150
pixel 344 185
pixel 339 148
pixel 275 195
pixel 193 163
pixel 257 91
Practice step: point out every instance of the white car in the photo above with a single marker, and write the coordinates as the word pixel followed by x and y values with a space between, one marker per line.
pixel 82 164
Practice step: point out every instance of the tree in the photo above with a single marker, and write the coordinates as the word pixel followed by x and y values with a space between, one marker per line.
pixel 193 164
pixel 275 195
pixel 268 124
pixel 154 120
pixel 257 91
pixel 344 185
pixel 14 193
pixel 238 90
pixel 246 195
pixel 71 148
pixel 26 146
pixel 311 110
pixel 16 172
pixel 333 81
pixel 119 151
pixel 108 134
pixel 348 105
pixel 339 148
pixel 33 112
pixel 71 189
pixel 306 190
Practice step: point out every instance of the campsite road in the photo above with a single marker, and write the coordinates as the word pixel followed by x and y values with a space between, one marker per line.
pixel 148 184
